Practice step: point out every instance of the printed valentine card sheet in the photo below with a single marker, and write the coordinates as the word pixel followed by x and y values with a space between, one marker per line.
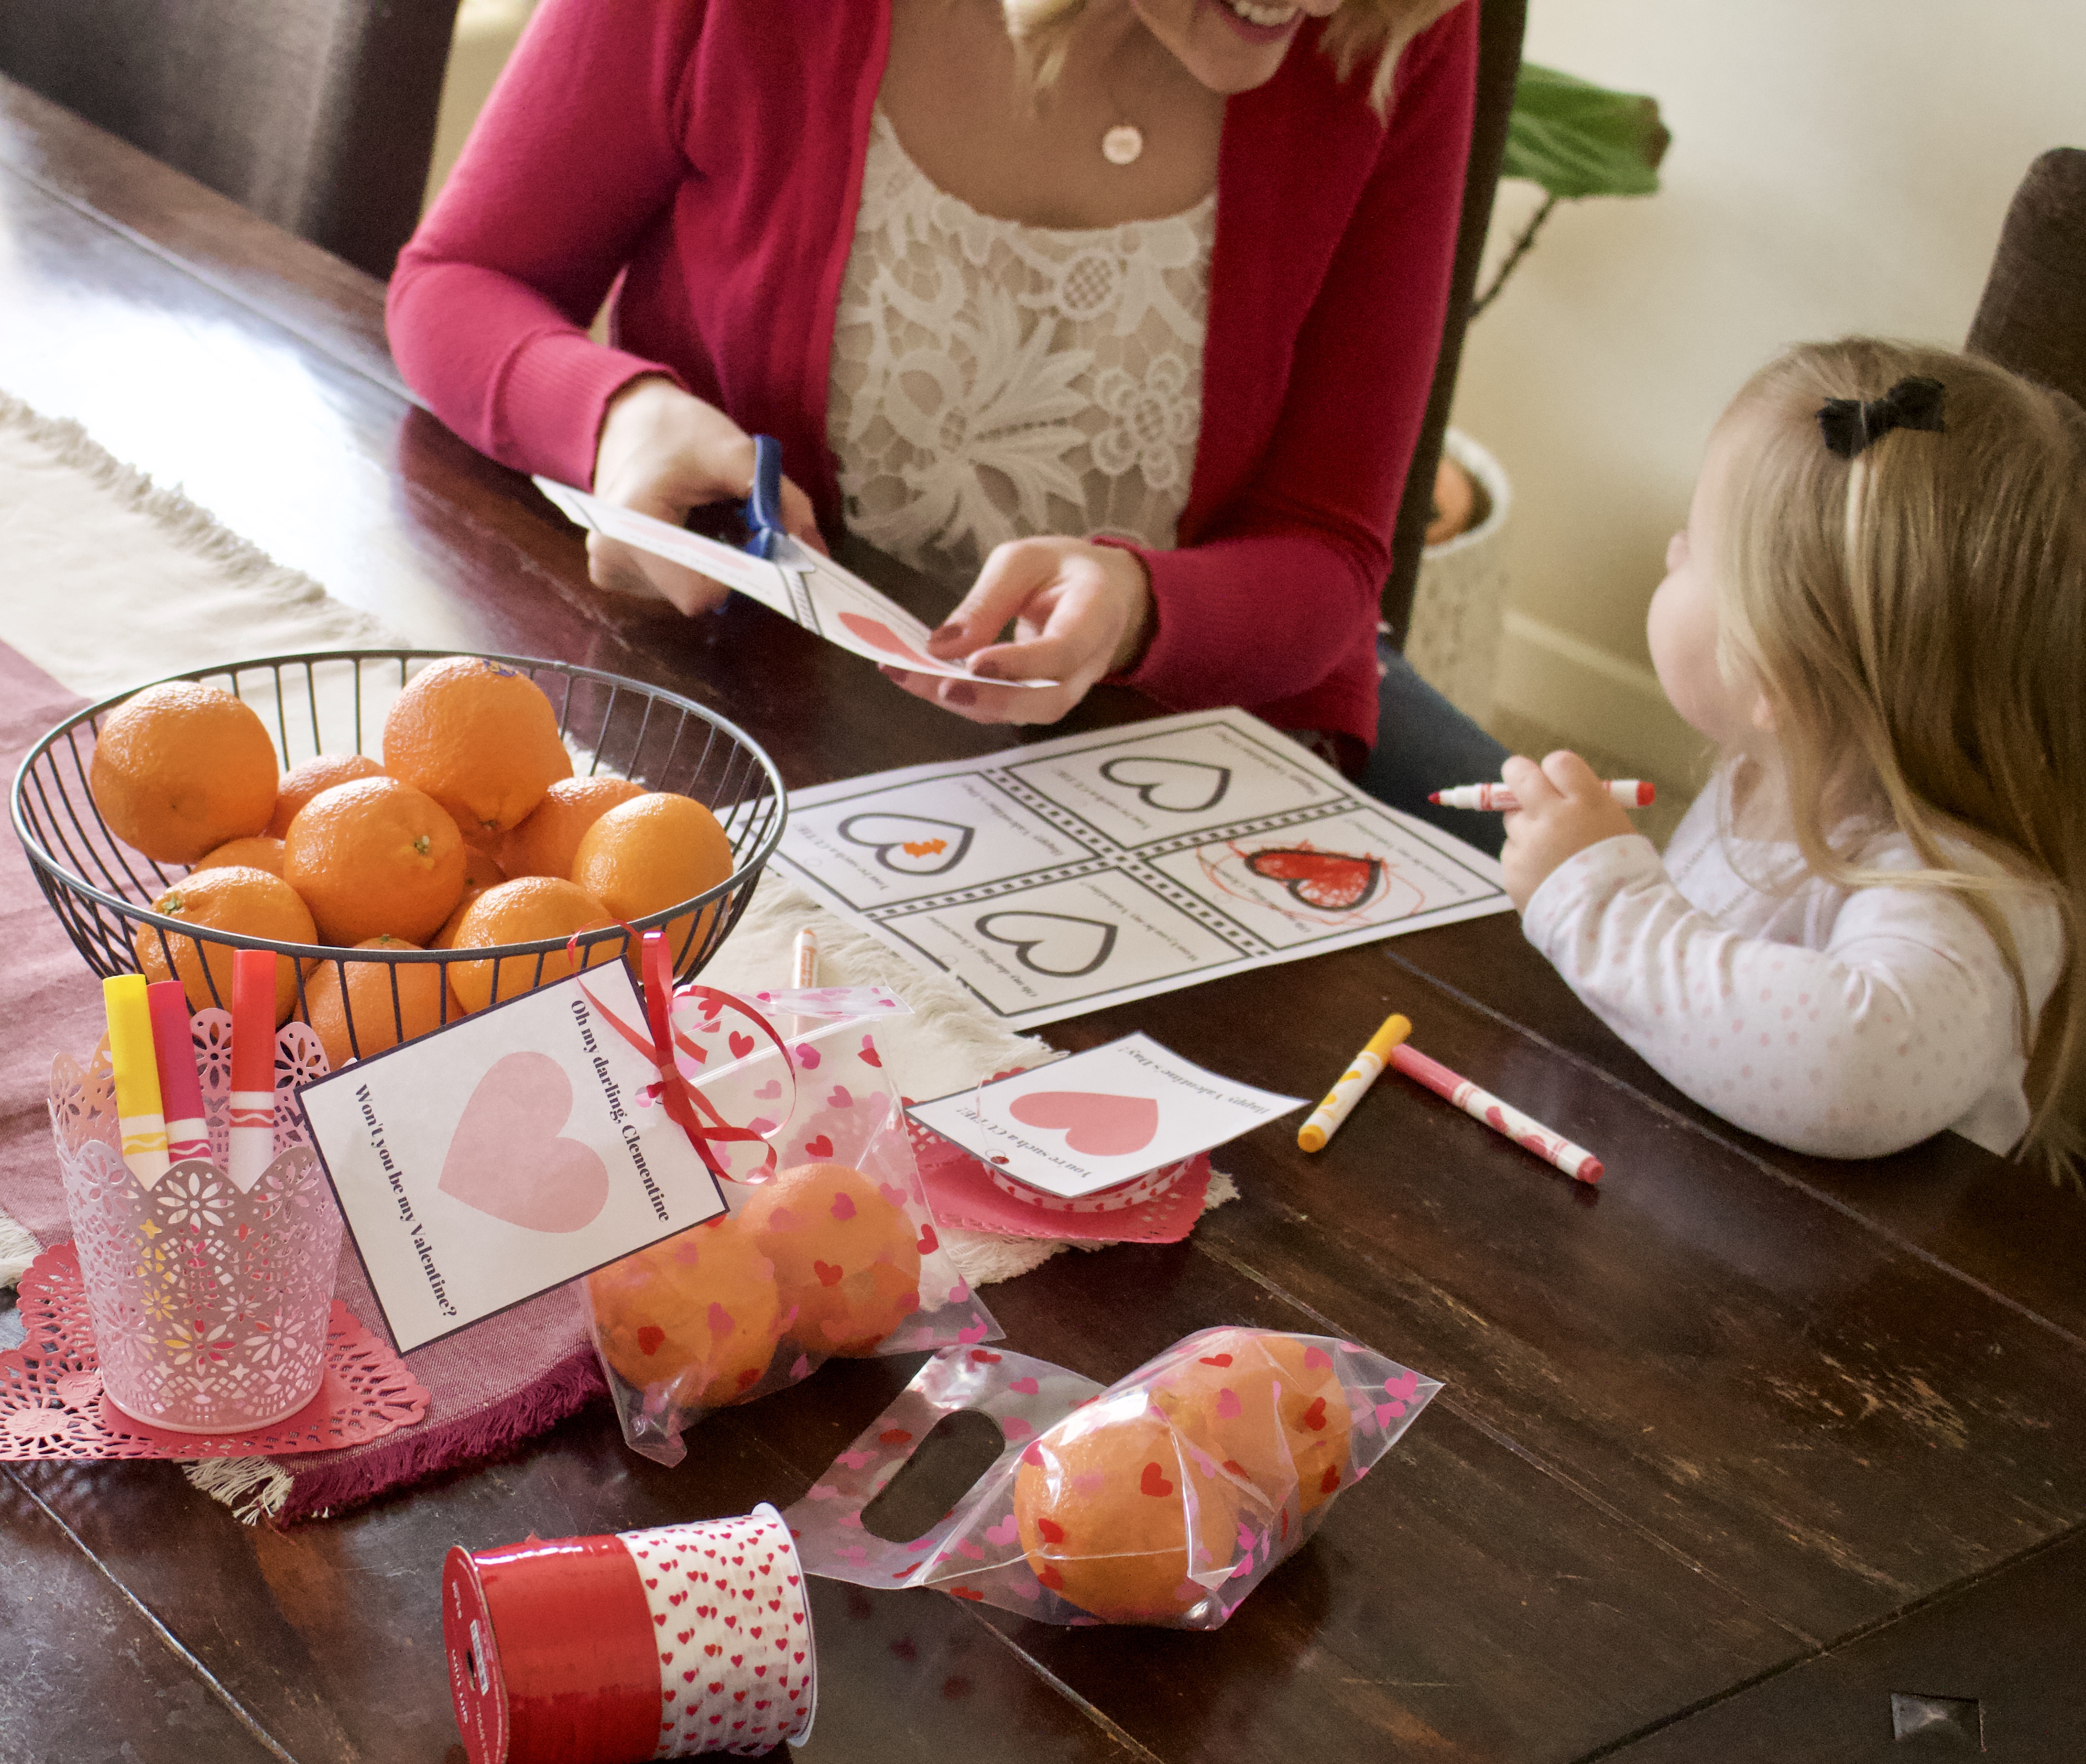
pixel 809 590
pixel 1065 876
pixel 505 1155
pixel 1100 1118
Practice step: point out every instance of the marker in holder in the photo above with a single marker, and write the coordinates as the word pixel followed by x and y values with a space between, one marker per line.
pixel 669 1643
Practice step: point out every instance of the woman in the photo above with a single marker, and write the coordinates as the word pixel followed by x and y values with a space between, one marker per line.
pixel 1120 313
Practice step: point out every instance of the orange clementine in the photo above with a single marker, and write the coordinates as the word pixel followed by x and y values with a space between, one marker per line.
pixel 1270 1406
pixel 375 857
pixel 257 851
pixel 299 785
pixel 369 1002
pixel 526 910
pixel 1101 1504
pixel 180 768
pixel 479 738
pixel 652 853
pixel 547 841
pixel 481 871
pixel 235 898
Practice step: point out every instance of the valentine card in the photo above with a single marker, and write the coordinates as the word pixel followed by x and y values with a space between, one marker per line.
pixel 505 1155
pixel 1100 1118
pixel 795 580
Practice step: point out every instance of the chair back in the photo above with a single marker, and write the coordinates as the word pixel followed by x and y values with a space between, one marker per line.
pixel 2032 317
pixel 1500 23
pixel 318 115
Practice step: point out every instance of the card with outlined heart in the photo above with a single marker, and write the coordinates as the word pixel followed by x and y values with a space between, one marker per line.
pixel 1098 1119
pixel 505 1155
pixel 1060 876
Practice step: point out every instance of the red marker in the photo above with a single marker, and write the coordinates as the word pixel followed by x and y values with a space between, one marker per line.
pixel 1575 1161
pixel 252 1142
pixel 1631 792
pixel 173 1051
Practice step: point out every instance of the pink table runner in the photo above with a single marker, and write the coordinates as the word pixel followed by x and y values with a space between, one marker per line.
pixel 491 1387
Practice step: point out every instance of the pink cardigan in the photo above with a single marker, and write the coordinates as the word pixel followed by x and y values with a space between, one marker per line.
pixel 710 152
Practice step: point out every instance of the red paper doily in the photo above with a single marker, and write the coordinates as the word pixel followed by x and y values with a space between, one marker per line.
pixel 50 1388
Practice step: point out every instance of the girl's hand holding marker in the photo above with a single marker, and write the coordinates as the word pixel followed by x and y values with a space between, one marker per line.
pixel 1557 810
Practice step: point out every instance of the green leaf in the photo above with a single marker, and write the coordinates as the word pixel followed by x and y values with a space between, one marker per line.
pixel 1578 139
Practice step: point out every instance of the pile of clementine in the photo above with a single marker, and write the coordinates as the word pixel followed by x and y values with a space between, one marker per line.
pixel 472 834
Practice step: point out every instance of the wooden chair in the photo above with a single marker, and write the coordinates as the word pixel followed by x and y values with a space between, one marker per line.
pixel 2033 315
pixel 1499 26
pixel 318 115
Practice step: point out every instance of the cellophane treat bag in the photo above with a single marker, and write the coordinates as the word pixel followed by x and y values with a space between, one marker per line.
pixel 1163 1500
pixel 829 1248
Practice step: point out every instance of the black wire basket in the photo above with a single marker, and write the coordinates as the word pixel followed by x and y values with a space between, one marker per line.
pixel 330 701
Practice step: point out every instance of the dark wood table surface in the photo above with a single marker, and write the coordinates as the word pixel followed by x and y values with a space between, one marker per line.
pixel 1733 1452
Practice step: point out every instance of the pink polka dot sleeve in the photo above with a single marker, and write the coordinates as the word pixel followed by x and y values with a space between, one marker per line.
pixel 1890 1032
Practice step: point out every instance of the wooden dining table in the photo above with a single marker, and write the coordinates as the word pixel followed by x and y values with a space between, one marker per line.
pixel 1742 1456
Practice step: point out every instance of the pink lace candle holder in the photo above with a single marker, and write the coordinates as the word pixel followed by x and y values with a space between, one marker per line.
pixel 210 1303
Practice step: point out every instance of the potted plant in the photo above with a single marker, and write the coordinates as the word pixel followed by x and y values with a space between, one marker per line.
pixel 1574 140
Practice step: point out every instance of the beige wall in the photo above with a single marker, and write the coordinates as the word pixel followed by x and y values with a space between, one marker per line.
pixel 1836 166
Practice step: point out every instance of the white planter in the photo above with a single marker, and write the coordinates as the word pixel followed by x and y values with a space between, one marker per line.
pixel 1459 606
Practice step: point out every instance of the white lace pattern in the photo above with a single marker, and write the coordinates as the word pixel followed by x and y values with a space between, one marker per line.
pixel 991 381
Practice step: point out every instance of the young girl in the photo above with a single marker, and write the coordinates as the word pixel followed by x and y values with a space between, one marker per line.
pixel 1867 928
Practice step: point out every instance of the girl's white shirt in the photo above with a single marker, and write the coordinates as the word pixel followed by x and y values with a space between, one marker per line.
pixel 1843 1022
pixel 992 381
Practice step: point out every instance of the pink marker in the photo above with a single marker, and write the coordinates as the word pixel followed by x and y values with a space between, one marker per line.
pixel 1575 1161
pixel 173 1051
pixel 252 1143
pixel 1631 792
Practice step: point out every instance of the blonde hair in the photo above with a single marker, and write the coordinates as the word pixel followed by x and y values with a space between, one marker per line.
pixel 1916 617
pixel 1358 30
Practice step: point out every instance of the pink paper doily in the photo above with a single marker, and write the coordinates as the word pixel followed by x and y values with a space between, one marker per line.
pixel 964 1192
pixel 51 1404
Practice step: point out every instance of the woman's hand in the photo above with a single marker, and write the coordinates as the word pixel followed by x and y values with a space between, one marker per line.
pixel 663 452
pixel 1080 611
pixel 1564 808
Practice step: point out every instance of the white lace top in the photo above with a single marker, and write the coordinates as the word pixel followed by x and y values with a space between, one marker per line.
pixel 991 381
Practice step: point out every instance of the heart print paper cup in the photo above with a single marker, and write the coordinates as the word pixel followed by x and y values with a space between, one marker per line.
pixel 653 1644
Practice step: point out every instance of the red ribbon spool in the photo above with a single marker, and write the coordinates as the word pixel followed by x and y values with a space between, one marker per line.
pixel 554 1648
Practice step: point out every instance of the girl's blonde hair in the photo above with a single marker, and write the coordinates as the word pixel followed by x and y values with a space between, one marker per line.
pixel 1915 617
pixel 1359 30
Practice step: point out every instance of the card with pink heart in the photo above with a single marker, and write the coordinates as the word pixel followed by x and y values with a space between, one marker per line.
pixel 1099 1120
pixel 830 1247
pixel 1163 1500
pixel 507 1154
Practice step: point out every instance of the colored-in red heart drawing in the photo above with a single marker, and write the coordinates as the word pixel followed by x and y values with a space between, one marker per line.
pixel 1100 1124
pixel 879 635
pixel 1331 881
pixel 507 1159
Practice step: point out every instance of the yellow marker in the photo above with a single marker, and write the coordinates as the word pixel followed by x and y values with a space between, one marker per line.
pixel 1341 1099
pixel 139 1115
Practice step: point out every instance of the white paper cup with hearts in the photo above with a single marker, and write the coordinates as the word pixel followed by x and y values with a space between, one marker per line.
pixel 668 1642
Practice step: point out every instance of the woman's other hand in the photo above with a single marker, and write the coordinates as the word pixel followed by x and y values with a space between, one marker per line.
pixel 663 452
pixel 1080 611
pixel 1564 808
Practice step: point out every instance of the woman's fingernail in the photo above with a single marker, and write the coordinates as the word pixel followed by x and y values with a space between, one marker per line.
pixel 957 692
pixel 986 670
pixel 953 628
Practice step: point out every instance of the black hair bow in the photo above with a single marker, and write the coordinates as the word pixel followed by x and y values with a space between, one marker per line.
pixel 1850 424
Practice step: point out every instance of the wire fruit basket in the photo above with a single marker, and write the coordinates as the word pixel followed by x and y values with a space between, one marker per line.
pixel 334 701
